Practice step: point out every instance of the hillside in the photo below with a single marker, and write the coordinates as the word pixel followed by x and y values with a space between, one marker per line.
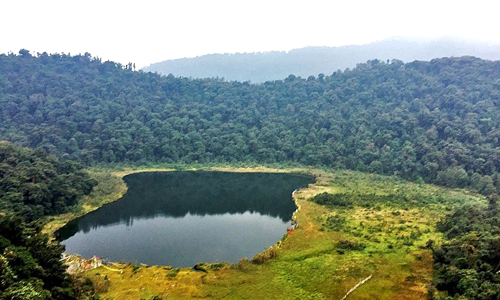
pixel 274 65
pixel 35 184
pixel 435 121
pixel 376 225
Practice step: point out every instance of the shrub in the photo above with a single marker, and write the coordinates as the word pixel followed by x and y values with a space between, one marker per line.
pixel 101 284
pixel 263 257
pixel 200 267
pixel 334 222
pixel 242 264
pixel 350 245
pixel 333 199
pixel 173 272
pixel 217 266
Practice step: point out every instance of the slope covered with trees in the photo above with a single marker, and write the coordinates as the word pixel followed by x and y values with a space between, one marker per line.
pixel 261 67
pixel 35 184
pixel 468 263
pixel 32 185
pixel 436 121
pixel 30 266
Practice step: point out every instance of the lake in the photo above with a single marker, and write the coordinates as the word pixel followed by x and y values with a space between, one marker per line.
pixel 182 218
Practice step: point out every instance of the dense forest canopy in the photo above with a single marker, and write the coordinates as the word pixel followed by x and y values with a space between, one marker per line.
pixel 436 121
pixel 30 266
pixel 35 184
pixel 468 263
pixel 265 66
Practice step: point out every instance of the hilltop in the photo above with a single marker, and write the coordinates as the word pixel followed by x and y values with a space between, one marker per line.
pixel 434 121
pixel 264 66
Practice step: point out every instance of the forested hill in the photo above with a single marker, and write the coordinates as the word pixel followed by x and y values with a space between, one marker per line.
pixel 35 184
pixel 437 121
pixel 264 66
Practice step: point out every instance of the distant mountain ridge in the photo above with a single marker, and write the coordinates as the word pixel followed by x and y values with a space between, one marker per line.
pixel 275 65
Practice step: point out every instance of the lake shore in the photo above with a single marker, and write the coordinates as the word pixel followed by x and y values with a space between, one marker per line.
pixel 111 187
pixel 387 240
pixel 175 215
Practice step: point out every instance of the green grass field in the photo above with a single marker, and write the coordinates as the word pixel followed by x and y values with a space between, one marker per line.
pixel 383 232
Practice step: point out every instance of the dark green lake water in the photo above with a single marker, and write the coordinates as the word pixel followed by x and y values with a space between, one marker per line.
pixel 182 218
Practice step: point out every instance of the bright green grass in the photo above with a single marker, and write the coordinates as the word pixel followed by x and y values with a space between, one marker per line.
pixel 387 240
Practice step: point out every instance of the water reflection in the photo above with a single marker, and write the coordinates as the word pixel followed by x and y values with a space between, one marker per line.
pixel 192 216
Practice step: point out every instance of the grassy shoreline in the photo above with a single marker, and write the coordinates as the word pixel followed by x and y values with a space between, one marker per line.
pixel 323 258
pixel 111 187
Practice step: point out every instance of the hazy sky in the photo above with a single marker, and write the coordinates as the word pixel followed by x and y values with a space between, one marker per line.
pixel 148 31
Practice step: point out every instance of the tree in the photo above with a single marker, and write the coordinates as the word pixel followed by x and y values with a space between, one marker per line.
pixel 30 267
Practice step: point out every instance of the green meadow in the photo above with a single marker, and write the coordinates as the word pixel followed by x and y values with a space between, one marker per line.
pixel 351 226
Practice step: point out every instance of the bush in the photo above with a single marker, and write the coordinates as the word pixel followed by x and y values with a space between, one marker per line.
pixel 335 223
pixel 101 284
pixel 263 257
pixel 200 267
pixel 173 272
pixel 217 266
pixel 242 264
pixel 350 245
pixel 333 199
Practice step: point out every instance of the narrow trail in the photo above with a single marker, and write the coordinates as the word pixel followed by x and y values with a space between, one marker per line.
pixel 111 269
pixel 356 286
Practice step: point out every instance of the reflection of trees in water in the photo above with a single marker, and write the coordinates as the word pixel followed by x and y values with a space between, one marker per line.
pixel 201 193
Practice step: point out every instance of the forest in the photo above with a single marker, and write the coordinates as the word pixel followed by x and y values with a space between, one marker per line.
pixel 433 122
pixel 469 261
pixel 32 185
pixel 35 184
